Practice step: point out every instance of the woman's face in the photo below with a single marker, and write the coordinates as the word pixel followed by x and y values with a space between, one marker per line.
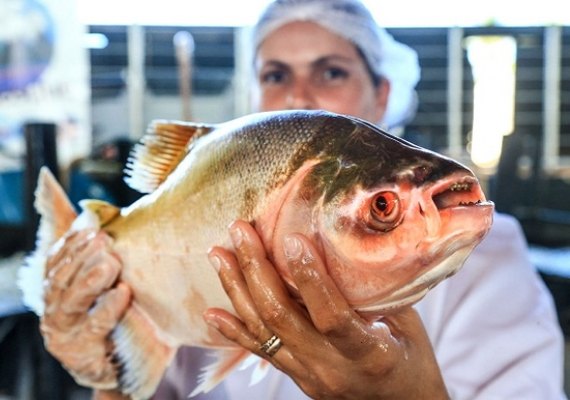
pixel 304 66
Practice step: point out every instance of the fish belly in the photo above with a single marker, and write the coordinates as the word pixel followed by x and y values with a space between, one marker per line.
pixel 172 281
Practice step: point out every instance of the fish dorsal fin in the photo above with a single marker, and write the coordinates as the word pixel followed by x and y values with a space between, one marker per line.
pixel 104 211
pixel 160 150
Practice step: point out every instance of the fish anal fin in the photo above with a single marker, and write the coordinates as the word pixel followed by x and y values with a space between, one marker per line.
pixel 227 361
pixel 160 150
pixel 56 217
pixel 141 355
pixel 260 372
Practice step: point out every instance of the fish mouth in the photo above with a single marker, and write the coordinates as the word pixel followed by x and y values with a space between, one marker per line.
pixel 458 191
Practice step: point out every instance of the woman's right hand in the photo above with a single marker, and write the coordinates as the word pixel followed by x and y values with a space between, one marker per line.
pixel 83 304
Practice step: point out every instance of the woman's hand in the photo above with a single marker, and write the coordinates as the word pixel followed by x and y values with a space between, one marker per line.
pixel 82 307
pixel 326 347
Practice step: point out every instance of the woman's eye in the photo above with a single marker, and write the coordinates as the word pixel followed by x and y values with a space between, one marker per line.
pixel 273 77
pixel 334 73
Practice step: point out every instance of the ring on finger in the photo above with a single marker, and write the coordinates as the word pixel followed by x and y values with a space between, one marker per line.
pixel 271 346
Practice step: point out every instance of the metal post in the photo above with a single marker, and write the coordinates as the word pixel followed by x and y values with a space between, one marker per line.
pixel 136 81
pixel 243 71
pixel 184 47
pixel 454 90
pixel 40 151
pixel 551 97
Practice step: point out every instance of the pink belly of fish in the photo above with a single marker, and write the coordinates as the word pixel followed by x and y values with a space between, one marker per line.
pixel 173 291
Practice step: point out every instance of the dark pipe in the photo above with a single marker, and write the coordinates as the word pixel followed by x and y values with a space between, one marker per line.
pixel 40 150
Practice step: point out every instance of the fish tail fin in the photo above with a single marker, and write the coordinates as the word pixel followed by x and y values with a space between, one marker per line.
pixel 212 375
pixel 142 357
pixel 55 209
pixel 56 216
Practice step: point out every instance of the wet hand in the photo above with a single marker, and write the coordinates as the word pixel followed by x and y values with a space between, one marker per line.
pixel 82 307
pixel 324 345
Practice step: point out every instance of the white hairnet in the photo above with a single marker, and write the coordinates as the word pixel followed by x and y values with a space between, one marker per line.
pixel 351 20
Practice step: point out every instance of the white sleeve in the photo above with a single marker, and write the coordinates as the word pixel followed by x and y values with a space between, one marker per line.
pixel 494 327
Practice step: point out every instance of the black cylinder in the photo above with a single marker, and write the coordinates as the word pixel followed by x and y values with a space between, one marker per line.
pixel 40 151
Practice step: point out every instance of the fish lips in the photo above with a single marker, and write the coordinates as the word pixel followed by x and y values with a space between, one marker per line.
pixel 458 190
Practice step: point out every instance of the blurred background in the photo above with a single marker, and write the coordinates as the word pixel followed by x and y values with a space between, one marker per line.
pixel 80 81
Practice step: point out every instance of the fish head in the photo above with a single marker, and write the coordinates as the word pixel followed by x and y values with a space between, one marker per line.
pixel 392 219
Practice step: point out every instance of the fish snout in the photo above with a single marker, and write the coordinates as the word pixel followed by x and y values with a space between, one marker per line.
pixel 459 193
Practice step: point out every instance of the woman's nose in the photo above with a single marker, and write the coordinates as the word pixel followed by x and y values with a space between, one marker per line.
pixel 300 97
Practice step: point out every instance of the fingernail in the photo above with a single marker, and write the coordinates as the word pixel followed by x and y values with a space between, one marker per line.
pixel 292 247
pixel 215 261
pixel 237 236
pixel 210 320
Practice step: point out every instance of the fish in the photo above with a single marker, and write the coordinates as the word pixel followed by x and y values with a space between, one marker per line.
pixel 391 220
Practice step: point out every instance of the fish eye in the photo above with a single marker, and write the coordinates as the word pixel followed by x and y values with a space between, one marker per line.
pixel 385 205
pixel 385 211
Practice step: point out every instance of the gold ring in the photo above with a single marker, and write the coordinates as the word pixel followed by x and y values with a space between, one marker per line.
pixel 271 346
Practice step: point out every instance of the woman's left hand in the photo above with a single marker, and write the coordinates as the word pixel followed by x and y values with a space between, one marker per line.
pixel 325 346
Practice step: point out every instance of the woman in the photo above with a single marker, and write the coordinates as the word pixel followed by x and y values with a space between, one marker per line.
pixel 489 332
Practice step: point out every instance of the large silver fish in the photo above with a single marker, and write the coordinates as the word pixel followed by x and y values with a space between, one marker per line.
pixel 391 219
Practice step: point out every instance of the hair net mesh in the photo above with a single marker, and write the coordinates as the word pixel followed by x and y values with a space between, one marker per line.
pixel 351 20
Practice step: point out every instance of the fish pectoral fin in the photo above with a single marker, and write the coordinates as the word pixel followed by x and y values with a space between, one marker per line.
pixel 160 150
pixel 142 356
pixel 227 361
pixel 104 211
